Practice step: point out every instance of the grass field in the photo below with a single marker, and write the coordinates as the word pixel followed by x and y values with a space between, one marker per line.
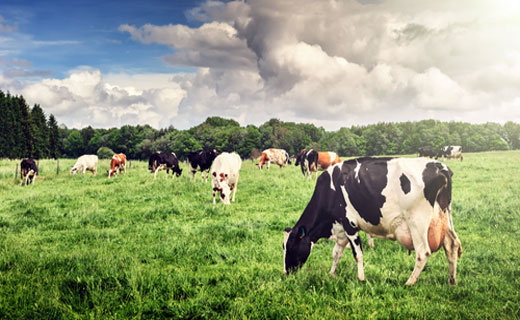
pixel 131 247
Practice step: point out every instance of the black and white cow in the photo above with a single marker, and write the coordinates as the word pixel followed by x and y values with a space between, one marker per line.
pixel 28 171
pixel 162 161
pixel 201 160
pixel 451 152
pixel 429 152
pixel 408 200
pixel 308 161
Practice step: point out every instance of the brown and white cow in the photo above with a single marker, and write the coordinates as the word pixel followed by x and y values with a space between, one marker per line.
pixel 117 164
pixel 312 161
pixel 28 171
pixel 224 175
pixel 84 163
pixel 408 200
pixel 277 156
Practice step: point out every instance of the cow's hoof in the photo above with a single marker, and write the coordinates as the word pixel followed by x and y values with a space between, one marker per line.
pixel 452 281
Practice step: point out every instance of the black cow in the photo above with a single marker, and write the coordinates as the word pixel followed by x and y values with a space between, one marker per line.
pixel 164 160
pixel 429 152
pixel 201 160
pixel 308 160
pixel 28 171
pixel 408 200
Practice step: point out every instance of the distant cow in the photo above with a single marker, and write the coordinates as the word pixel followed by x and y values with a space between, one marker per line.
pixel 28 171
pixel 117 164
pixel 312 161
pixel 85 162
pixel 201 160
pixel 451 152
pixel 277 156
pixel 164 161
pixel 224 175
pixel 429 152
pixel 408 200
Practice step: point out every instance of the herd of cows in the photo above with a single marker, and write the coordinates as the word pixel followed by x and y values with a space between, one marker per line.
pixel 403 199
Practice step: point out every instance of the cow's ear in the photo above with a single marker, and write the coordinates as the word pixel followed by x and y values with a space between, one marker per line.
pixel 301 232
pixel 214 174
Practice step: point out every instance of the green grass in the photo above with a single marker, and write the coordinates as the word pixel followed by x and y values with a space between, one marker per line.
pixel 92 248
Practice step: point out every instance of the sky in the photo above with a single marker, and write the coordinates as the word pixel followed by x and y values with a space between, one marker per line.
pixel 333 63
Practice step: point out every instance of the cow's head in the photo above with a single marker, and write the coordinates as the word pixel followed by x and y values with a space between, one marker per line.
pixel 74 170
pixel 299 158
pixel 297 247
pixel 221 185
pixel 152 165
pixel 110 173
pixel 179 172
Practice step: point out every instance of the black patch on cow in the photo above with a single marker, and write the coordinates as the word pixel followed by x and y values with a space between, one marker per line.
pixel 437 184
pixel 365 187
pixel 405 183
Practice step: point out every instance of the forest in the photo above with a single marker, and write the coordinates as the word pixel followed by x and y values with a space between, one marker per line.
pixel 28 132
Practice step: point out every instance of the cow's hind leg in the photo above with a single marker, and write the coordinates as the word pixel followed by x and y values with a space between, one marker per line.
pixel 453 250
pixel 418 223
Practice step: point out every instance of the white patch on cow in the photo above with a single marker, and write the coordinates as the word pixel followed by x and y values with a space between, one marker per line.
pixel 332 156
pixel 356 170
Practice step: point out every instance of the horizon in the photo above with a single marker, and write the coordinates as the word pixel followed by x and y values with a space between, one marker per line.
pixel 332 64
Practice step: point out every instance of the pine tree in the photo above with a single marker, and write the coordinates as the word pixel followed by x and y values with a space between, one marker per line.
pixel 27 139
pixel 41 133
pixel 54 137
pixel 4 130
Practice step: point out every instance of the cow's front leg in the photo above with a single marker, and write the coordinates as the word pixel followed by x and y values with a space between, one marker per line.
pixel 155 173
pixel 214 193
pixel 357 251
pixel 337 252
pixel 234 190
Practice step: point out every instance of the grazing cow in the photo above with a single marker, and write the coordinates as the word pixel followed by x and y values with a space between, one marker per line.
pixel 117 163
pixel 451 152
pixel 164 160
pixel 28 171
pixel 201 160
pixel 427 152
pixel 84 163
pixel 408 200
pixel 312 161
pixel 278 156
pixel 224 175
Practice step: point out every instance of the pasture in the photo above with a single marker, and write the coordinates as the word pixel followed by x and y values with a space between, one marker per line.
pixel 134 248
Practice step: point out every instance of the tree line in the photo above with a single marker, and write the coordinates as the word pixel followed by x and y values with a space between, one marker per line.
pixel 27 132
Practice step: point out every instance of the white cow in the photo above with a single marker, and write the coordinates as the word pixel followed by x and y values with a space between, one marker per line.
pixel 224 175
pixel 84 163
pixel 451 152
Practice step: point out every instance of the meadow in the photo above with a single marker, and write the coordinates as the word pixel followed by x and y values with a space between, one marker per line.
pixel 88 247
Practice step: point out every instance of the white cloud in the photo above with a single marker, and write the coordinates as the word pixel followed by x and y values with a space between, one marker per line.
pixel 85 98
pixel 333 63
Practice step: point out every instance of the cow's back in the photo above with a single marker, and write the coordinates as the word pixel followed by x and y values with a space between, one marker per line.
pixel 88 160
